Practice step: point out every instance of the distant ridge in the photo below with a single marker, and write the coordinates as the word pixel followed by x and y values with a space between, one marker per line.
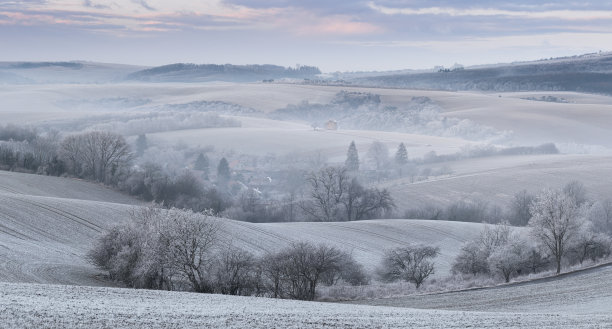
pixel 181 72
pixel 590 73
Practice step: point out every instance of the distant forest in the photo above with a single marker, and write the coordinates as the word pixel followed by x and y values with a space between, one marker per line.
pixel 591 74
pixel 228 72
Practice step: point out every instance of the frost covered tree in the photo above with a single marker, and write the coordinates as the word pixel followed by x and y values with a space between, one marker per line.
pixel 141 144
pixel 589 243
pixel 509 258
pixel 474 255
pixel 600 214
pixel 576 191
pixel 378 153
pixel 412 264
pixel 352 158
pixel 555 222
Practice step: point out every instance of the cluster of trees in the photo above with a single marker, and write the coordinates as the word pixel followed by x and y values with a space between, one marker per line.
pixel 564 228
pixel 378 160
pixel 181 250
pixel 421 115
pixel 336 196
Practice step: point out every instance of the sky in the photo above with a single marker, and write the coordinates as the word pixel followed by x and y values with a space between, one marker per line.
pixel 333 35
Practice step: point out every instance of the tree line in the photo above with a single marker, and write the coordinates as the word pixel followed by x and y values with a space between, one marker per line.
pixel 172 249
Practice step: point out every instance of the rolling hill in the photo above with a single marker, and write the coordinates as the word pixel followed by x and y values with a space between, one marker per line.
pixel 181 72
pixel 497 179
pixel 588 73
pixel 584 119
pixel 44 239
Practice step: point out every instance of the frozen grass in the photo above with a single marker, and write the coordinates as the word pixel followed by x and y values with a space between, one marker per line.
pixel 497 179
pixel 443 284
pixel 59 187
pixel 45 239
pixel 575 292
pixel 56 306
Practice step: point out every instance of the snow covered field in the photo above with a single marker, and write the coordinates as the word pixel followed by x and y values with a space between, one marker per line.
pixel 57 306
pixel 585 292
pixel 265 136
pixel 584 120
pixel 45 239
pixel 496 179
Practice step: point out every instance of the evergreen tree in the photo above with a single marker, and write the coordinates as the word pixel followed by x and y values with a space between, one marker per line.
pixel 223 171
pixel 141 144
pixel 352 158
pixel 202 163
pixel 401 156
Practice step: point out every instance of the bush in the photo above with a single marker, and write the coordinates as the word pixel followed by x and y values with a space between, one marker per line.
pixel 412 264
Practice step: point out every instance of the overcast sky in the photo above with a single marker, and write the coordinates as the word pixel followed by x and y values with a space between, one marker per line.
pixel 333 35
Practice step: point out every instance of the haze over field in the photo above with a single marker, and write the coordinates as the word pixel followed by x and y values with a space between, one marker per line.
pixel 307 164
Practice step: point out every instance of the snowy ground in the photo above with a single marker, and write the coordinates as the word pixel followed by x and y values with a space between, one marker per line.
pixel 56 306
pixel 264 136
pixel 585 292
pixel 496 179
pixel 44 239
pixel 586 119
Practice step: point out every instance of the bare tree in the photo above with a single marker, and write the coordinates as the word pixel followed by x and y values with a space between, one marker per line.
pixel 235 272
pixel 297 271
pixel 327 189
pixel 99 155
pixel 412 263
pixel 555 221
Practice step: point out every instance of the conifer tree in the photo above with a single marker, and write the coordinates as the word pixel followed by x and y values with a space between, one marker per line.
pixel 223 171
pixel 352 158
pixel 401 156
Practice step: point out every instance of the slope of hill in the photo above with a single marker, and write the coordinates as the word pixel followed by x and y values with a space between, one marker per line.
pixel 582 292
pixel 210 72
pixel 584 74
pixel 584 119
pixel 63 72
pixel 59 187
pixel 496 179
pixel 32 306
pixel 45 239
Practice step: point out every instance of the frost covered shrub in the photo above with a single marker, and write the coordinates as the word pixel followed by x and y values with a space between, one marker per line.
pixel 161 248
pixel 365 111
pixel 412 264
pixel 474 255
